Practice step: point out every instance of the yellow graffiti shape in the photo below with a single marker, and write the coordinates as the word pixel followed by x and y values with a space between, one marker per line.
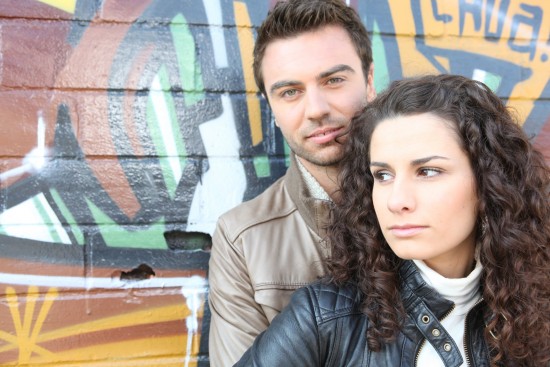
pixel 139 348
pixel 246 44
pixel 65 5
pixel 26 333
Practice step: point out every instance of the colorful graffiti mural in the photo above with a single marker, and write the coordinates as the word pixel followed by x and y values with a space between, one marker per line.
pixel 127 128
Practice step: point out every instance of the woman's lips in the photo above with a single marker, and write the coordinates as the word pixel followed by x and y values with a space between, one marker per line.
pixel 405 231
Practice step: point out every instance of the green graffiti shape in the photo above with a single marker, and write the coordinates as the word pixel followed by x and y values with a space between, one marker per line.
pixel 47 219
pixel 381 72
pixel 190 69
pixel 165 133
pixel 117 236
pixel 261 165
pixel 68 216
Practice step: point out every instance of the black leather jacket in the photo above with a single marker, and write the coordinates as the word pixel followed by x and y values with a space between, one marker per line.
pixel 323 326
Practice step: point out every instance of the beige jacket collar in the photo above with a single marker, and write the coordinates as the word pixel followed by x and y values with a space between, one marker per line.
pixel 314 211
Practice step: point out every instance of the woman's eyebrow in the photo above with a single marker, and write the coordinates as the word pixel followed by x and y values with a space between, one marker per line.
pixel 420 161
pixel 415 162
pixel 379 164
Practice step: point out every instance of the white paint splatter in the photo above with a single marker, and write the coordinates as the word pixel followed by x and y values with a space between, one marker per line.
pixel 215 25
pixel 37 158
pixel 160 105
pixel 195 299
pixel 222 187
pixel 194 282
pixel 479 75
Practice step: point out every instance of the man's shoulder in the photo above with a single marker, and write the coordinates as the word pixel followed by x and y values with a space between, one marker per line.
pixel 275 202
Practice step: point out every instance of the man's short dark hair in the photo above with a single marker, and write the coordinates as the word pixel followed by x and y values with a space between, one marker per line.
pixel 290 18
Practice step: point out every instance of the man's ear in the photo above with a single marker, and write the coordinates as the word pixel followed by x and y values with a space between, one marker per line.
pixel 371 89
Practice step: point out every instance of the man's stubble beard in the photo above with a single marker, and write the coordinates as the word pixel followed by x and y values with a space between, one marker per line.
pixel 311 157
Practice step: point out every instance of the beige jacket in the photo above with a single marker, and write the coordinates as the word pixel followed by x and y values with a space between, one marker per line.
pixel 262 251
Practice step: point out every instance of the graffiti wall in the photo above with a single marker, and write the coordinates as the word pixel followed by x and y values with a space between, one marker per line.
pixel 128 127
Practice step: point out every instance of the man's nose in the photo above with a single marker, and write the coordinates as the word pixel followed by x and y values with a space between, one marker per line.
pixel 317 106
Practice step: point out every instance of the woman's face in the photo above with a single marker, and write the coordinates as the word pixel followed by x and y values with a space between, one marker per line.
pixel 424 192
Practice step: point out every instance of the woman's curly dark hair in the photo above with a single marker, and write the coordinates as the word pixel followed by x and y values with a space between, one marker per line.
pixel 513 188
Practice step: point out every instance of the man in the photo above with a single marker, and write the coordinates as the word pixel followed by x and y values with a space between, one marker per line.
pixel 313 64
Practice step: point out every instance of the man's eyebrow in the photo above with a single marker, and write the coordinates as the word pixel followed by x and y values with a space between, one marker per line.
pixel 290 83
pixel 282 84
pixel 336 69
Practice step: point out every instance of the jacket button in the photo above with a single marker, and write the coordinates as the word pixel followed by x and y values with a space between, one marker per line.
pixel 436 332
pixel 447 347
pixel 425 319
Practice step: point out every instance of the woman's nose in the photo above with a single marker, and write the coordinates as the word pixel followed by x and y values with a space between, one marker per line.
pixel 401 197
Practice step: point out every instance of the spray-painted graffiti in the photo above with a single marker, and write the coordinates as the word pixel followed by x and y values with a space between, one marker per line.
pixel 504 43
pixel 127 128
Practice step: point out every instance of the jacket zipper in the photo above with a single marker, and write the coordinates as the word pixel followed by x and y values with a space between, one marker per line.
pixel 418 353
pixel 466 352
pixel 424 340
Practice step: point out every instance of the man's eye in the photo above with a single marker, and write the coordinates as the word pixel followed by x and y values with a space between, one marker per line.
pixel 289 93
pixel 335 80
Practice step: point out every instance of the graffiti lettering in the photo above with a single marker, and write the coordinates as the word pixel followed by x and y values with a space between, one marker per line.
pixel 474 9
pixel 490 15
pixel 533 23
pixel 445 18
pixel 519 23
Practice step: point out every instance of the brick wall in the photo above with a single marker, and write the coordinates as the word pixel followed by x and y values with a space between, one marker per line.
pixel 128 127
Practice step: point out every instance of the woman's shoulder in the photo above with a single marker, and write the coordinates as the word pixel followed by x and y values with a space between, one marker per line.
pixel 330 300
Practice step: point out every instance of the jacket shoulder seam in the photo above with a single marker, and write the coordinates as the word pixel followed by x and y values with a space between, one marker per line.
pixel 327 311
pixel 236 231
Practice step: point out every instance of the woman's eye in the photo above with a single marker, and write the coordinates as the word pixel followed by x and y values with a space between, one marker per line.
pixel 429 172
pixel 382 176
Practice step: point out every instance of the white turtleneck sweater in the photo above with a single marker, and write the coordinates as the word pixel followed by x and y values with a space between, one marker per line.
pixel 464 293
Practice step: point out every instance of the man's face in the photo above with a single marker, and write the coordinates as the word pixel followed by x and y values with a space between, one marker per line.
pixel 315 84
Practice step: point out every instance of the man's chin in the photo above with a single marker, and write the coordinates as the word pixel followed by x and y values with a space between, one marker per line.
pixel 321 161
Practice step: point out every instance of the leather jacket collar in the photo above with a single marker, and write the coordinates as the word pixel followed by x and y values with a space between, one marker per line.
pixel 417 295
pixel 413 287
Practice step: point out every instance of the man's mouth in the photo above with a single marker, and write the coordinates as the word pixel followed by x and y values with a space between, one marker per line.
pixel 323 136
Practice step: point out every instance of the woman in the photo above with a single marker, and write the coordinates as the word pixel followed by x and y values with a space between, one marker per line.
pixel 440 243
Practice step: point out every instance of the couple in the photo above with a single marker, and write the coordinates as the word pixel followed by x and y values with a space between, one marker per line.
pixel 439 233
